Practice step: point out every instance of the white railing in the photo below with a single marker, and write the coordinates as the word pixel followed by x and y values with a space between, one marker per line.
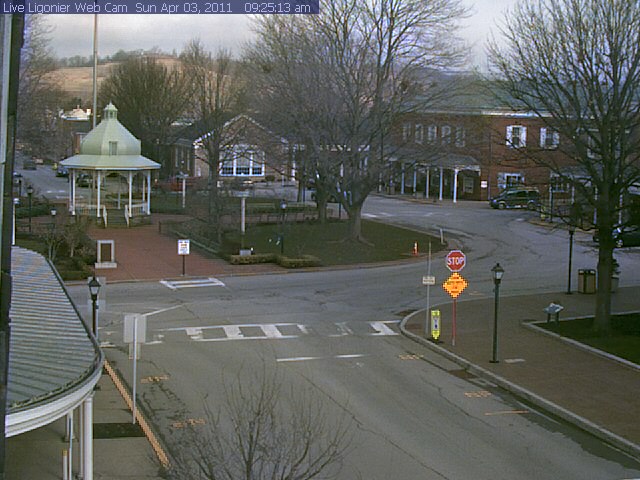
pixel 138 209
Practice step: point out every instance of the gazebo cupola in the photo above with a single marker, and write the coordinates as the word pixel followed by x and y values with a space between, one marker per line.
pixel 110 148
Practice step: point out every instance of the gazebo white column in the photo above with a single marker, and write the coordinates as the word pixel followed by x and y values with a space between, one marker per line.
pixel 148 192
pixel 98 194
pixel 441 183
pixel 72 192
pixel 130 192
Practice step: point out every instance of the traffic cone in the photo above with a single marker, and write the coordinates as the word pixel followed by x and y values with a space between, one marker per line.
pixel 415 248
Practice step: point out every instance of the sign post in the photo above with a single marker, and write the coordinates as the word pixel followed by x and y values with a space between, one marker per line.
pixel 183 251
pixel 455 284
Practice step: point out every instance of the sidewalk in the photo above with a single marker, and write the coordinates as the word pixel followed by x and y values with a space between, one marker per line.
pixel 143 254
pixel 595 392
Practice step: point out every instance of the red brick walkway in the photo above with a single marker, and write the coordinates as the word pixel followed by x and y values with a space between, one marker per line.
pixel 142 253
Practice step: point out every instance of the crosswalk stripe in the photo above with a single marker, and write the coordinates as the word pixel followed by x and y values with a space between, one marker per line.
pixel 272 331
pixel 192 283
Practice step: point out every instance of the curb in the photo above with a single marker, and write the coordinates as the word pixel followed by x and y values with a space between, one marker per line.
pixel 151 437
pixel 619 442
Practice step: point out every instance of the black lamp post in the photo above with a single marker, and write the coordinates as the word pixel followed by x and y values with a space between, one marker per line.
pixel 94 290
pixel 572 230
pixel 29 194
pixel 497 271
pixel 283 208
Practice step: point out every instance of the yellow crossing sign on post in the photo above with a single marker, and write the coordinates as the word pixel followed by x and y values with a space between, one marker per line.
pixel 455 285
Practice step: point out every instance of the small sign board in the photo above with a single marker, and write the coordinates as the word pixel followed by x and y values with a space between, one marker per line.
pixel 131 321
pixel 435 324
pixel 428 280
pixel 183 247
pixel 455 285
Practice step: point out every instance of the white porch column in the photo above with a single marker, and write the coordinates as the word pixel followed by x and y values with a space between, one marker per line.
pixel 98 194
pixel 441 183
pixel 455 185
pixel 130 193
pixel 148 192
pixel 428 181
pixel 402 180
pixel 415 179
pixel 87 441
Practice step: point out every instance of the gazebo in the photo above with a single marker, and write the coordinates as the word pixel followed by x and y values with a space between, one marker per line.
pixel 110 148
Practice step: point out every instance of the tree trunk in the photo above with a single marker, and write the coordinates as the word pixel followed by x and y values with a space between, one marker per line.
pixel 355 222
pixel 602 321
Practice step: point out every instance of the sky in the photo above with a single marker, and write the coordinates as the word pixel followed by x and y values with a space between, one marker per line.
pixel 73 34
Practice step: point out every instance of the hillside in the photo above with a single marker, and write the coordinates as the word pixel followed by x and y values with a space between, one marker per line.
pixel 78 81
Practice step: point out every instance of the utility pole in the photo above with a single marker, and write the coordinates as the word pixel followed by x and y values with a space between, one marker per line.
pixel 11 36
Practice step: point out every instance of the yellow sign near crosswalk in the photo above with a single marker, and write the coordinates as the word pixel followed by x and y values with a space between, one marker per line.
pixel 455 285
pixel 435 324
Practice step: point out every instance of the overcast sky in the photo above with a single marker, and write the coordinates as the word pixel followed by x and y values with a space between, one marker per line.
pixel 73 34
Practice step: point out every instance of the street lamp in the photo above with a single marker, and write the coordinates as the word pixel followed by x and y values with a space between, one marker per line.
pixel 497 271
pixel 94 290
pixel 572 230
pixel 29 194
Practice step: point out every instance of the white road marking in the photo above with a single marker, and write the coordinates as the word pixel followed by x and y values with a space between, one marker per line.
pixel 192 283
pixel 162 310
pixel 306 359
pixel 342 329
pixel 382 329
pixel 270 331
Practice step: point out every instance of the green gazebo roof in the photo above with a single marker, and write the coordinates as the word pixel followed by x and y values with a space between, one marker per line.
pixel 110 146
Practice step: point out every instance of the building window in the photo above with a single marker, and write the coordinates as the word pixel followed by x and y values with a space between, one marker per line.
pixel 419 134
pixel 257 166
pixel 446 135
pixel 243 166
pixel 432 133
pixel 460 136
pixel 516 136
pixel 227 168
pixel 406 132
pixel 113 148
pixel 549 139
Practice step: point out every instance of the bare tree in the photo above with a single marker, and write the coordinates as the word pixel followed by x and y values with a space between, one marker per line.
pixel 576 65
pixel 264 431
pixel 150 96
pixel 40 97
pixel 216 98
pixel 358 62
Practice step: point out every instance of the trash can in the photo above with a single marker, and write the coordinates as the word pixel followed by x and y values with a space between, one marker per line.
pixel 586 280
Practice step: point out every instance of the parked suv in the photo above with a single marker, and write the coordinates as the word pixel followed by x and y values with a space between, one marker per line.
pixel 519 197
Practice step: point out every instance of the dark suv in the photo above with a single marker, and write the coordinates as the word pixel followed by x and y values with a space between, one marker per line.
pixel 520 197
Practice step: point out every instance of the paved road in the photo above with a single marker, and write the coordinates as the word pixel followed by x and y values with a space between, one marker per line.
pixel 413 414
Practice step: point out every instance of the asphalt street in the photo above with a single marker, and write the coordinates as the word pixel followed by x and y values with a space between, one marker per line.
pixel 334 335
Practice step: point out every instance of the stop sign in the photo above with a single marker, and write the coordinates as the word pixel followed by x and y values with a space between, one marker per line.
pixel 456 260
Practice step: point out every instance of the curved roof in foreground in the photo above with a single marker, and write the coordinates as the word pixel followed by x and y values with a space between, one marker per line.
pixel 54 361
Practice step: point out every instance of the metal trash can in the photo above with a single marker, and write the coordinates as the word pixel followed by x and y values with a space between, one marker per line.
pixel 586 280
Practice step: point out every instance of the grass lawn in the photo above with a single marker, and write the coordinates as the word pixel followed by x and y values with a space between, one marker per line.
pixel 327 242
pixel 623 341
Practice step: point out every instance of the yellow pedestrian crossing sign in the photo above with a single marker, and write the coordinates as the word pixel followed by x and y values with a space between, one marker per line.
pixel 435 324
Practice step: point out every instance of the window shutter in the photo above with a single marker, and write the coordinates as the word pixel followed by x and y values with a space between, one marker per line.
pixel 523 137
pixel 543 137
pixel 509 136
